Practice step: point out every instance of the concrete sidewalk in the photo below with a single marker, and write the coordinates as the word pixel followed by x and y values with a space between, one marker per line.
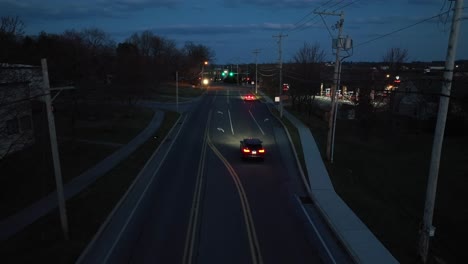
pixel 27 216
pixel 360 242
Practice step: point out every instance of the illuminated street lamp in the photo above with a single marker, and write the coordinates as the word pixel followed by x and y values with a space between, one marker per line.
pixel 203 69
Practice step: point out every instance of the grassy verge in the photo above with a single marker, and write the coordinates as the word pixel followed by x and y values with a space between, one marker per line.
pixel 382 177
pixel 103 124
pixel 166 92
pixel 294 137
pixel 42 242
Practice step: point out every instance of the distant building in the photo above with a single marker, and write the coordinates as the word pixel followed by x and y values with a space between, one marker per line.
pixel 409 102
pixel 19 84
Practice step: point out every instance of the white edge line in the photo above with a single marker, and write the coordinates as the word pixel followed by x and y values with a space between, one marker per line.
pixel 256 122
pixel 230 121
pixel 330 255
pixel 110 216
pixel 143 194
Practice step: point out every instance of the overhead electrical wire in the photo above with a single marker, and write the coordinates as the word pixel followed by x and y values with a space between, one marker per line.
pixel 306 24
pixel 346 5
pixel 310 13
pixel 298 27
pixel 303 24
pixel 401 29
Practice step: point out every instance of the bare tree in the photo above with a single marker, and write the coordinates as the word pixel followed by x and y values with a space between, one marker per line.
pixel 305 75
pixel 309 53
pixel 195 55
pixel 11 31
pixel 12 26
pixel 395 57
pixel 143 41
pixel 96 38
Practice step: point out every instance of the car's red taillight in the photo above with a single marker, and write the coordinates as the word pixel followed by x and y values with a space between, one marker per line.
pixel 261 151
pixel 246 150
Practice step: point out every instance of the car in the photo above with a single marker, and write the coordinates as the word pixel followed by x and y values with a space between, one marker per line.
pixel 252 148
pixel 249 97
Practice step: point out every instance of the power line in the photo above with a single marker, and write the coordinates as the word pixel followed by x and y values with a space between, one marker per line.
pixel 401 29
pixel 328 29
pixel 339 3
pixel 296 27
pixel 346 5
pixel 304 25
pixel 23 100
pixel 311 12
pixel 268 75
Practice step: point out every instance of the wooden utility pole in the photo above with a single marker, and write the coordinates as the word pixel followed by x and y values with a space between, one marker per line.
pixel 428 230
pixel 256 76
pixel 336 78
pixel 280 63
pixel 55 151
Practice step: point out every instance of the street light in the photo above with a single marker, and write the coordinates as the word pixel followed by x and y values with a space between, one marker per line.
pixel 203 69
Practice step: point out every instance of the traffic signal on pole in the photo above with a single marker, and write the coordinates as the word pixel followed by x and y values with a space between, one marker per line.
pixel 223 74
pixel 231 74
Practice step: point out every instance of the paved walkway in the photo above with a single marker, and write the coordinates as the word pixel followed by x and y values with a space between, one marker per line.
pixel 27 216
pixel 362 245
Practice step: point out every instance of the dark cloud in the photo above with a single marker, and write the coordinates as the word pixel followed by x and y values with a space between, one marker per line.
pixel 426 2
pixel 216 29
pixel 396 20
pixel 296 4
pixel 63 10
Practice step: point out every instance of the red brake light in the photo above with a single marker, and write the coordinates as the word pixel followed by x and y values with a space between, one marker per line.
pixel 261 151
pixel 246 150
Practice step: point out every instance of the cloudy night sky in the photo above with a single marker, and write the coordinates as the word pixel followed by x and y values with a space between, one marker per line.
pixel 234 28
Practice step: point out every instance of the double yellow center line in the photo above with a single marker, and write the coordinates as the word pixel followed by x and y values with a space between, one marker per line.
pixel 196 201
pixel 193 222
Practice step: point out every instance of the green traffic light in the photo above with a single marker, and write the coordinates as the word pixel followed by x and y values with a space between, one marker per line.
pixel 231 74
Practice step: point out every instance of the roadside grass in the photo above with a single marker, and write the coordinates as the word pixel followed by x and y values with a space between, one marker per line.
pixel 109 124
pixel 383 179
pixel 42 242
pixel 294 137
pixel 23 185
pixel 104 122
pixel 166 92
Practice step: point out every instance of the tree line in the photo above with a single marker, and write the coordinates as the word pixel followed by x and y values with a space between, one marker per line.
pixel 90 58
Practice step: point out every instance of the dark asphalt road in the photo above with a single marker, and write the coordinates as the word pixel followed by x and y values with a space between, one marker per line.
pixel 210 206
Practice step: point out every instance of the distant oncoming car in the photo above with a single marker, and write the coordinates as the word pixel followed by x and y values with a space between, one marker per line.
pixel 250 97
pixel 252 148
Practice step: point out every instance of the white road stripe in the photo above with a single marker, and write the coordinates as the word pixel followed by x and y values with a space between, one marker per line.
pixel 256 122
pixel 230 121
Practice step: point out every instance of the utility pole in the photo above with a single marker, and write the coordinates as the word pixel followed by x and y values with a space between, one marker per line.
pixel 427 229
pixel 55 151
pixel 256 76
pixel 280 63
pixel 237 74
pixel 177 91
pixel 336 79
